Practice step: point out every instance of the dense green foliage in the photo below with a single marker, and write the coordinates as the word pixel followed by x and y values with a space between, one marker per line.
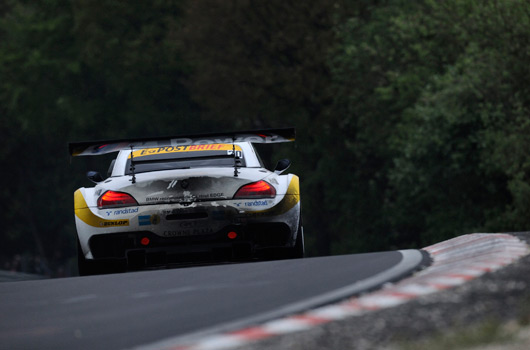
pixel 412 116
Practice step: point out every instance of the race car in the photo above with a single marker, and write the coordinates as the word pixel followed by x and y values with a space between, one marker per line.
pixel 187 199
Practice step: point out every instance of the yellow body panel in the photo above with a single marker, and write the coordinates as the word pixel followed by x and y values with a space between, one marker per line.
pixel 85 214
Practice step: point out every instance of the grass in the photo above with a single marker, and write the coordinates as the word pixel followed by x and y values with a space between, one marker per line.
pixel 477 336
pixel 467 337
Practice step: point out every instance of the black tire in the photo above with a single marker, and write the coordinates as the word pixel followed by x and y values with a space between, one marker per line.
pixel 82 265
pixel 298 251
pixel 87 267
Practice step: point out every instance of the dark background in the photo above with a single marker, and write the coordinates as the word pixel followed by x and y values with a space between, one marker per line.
pixel 412 117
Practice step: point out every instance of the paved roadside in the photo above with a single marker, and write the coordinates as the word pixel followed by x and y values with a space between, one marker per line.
pixel 12 276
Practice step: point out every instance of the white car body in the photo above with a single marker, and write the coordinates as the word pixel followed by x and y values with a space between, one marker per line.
pixel 187 215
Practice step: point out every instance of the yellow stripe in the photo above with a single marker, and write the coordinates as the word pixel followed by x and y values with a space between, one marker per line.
pixel 85 214
pixel 291 198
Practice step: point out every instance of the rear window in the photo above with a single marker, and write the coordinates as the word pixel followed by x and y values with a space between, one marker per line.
pixel 184 157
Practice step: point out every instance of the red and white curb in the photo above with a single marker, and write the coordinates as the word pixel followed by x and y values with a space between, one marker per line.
pixel 455 262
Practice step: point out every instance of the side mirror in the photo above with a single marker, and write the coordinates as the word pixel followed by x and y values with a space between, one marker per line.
pixel 282 165
pixel 94 176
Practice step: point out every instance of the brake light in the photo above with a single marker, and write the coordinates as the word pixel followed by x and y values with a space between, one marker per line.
pixel 260 189
pixel 111 199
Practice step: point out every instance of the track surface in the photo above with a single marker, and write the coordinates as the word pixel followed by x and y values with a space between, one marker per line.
pixel 131 309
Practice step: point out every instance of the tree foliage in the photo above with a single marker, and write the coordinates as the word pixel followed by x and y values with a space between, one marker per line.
pixel 71 72
pixel 460 157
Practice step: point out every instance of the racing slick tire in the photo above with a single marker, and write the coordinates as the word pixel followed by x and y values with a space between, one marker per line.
pixel 298 251
pixel 87 267
pixel 84 267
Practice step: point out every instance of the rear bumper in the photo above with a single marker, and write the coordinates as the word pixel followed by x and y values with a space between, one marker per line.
pixel 183 230
pixel 251 241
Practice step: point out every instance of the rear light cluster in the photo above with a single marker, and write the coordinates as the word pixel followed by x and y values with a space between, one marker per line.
pixel 111 199
pixel 260 189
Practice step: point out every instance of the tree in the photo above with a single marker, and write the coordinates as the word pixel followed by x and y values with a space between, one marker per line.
pixel 74 71
pixel 462 165
pixel 257 65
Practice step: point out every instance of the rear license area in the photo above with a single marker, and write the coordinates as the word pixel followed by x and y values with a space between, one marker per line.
pixel 189 228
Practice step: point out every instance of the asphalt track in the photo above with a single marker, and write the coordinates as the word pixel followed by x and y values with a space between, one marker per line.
pixel 127 310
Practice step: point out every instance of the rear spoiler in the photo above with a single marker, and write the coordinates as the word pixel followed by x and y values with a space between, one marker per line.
pixel 94 148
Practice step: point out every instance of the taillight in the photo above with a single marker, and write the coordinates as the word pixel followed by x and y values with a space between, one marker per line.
pixel 260 189
pixel 111 199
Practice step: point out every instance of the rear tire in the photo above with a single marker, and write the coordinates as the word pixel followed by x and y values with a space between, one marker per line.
pixel 87 267
pixel 298 251
pixel 83 266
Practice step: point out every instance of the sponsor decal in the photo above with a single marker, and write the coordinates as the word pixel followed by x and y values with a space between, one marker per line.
pixel 254 138
pixel 229 148
pixel 252 204
pixel 189 198
pixel 155 219
pixel 121 211
pixel 212 195
pixel 239 154
pixel 145 220
pixel 111 223
pixel 188 232
pixel 168 199
pixel 257 203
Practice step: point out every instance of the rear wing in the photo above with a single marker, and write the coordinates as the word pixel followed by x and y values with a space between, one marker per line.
pixel 94 148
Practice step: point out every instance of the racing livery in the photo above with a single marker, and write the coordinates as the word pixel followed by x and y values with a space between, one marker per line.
pixel 187 199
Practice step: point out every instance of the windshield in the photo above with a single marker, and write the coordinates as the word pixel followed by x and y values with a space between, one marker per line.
pixel 184 157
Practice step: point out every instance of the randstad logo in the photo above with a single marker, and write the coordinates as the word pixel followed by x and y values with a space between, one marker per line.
pixel 256 203
pixel 122 211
